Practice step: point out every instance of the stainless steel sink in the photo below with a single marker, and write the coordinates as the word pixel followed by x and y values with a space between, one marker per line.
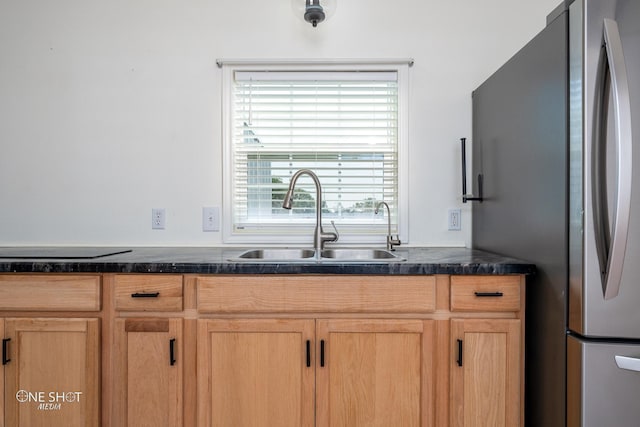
pixel 290 255
pixel 277 255
pixel 360 255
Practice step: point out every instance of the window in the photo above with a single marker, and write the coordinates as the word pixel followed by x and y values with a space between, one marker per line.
pixel 345 123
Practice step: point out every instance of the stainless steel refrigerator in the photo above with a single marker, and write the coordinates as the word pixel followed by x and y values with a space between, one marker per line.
pixel 556 144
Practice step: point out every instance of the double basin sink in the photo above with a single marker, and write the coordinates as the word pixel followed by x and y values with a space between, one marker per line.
pixel 348 255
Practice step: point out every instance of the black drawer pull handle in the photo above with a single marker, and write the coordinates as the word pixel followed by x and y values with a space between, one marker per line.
pixel 489 294
pixel 5 351
pixel 308 354
pixel 322 353
pixel 172 356
pixel 459 360
pixel 145 295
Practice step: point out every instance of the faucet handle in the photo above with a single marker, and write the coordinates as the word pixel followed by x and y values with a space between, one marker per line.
pixel 333 224
pixel 328 236
pixel 391 242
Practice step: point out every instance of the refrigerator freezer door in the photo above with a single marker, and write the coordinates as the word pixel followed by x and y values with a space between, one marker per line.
pixel 600 393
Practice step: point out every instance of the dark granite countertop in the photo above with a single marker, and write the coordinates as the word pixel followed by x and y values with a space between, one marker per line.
pixel 216 260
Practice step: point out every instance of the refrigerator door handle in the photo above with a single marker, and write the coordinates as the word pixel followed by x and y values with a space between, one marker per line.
pixel 612 249
pixel 628 363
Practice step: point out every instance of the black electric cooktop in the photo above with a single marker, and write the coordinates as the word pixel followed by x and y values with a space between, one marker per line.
pixel 58 253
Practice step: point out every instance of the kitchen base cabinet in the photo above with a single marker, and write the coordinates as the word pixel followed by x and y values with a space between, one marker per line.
pixel 486 372
pixel 255 372
pixel 246 350
pixel 374 354
pixel 148 372
pixel 52 372
pixel 311 348
pixel 375 373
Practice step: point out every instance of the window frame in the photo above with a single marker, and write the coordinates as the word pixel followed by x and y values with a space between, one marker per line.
pixel 297 236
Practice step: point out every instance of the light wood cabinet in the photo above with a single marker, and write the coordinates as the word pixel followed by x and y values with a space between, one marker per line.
pixel 147 350
pixel 368 372
pixel 381 365
pixel 151 292
pixel 375 373
pixel 486 294
pixel 487 352
pixel 255 372
pixel 262 350
pixel 51 368
pixel 486 373
pixel 52 377
pixel 5 357
pixel 340 294
pixel 50 292
pixel 148 372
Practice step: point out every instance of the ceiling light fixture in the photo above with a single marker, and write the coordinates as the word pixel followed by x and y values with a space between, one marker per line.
pixel 313 12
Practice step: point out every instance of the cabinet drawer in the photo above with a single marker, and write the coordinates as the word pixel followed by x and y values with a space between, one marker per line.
pixel 321 294
pixel 148 292
pixel 485 293
pixel 59 292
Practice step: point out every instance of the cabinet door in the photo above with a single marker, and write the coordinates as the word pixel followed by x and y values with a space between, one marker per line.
pixel 255 372
pixel 485 373
pixel 375 373
pixel 5 345
pixel 53 377
pixel 148 373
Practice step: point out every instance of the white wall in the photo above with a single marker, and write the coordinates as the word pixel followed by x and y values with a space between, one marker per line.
pixel 110 108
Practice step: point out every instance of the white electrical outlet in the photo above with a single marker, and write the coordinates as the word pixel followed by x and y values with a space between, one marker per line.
pixel 210 219
pixel 454 219
pixel 158 218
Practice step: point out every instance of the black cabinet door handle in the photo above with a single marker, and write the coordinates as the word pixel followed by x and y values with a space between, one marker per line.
pixel 145 295
pixel 5 351
pixel 308 354
pixel 488 294
pixel 172 355
pixel 459 360
pixel 322 353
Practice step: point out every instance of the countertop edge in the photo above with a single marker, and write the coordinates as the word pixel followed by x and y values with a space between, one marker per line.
pixel 202 260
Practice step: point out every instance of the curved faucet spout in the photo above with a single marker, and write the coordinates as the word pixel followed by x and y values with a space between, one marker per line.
pixel 319 235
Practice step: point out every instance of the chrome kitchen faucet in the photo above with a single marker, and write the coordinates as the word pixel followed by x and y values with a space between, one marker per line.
pixel 391 242
pixel 319 235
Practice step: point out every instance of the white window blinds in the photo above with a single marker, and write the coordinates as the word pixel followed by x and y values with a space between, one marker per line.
pixel 343 125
